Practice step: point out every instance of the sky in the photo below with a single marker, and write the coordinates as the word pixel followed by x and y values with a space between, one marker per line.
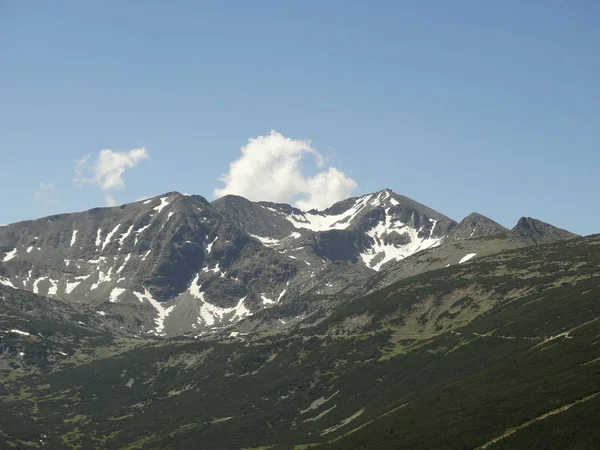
pixel 464 106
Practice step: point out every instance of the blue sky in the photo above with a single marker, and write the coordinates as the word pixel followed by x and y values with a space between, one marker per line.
pixel 464 106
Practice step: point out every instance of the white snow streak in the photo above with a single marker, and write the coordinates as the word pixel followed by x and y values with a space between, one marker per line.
pixel 281 295
pixel 194 289
pixel 163 202
pixel 35 284
pixel 10 255
pixel 266 300
pixel 102 278
pixel 140 231
pixel 98 237
pixel 7 282
pixel 125 235
pixel 109 236
pixel 73 238
pixel 268 242
pixel 70 286
pixel 124 263
pixel 322 222
pixel 466 257
pixel 23 333
pixel 53 289
pixel 114 294
pixel 209 313
pixel 209 246
pixel 386 252
pixel 162 311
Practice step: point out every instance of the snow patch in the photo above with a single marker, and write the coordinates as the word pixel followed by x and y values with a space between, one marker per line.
pixel 266 241
pixel 385 252
pixel 163 203
pixel 140 231
pixel 266 300
pixel 125 235
pixel 98 237
pixel 114 294
pixel 162 312
pixel 23 333
pixel 209 313
pixel 209 246
pixel 432 227
pixel 96 261
pixel 194 288
pixel 7 282
pixel 70 286
pixel 466 257
pixel 53 289
pixel 10 255
pixel 281 295
pixel 73 238
pixel 323 222
pixel 109 236
pixel 124 263
pixel 29 249
pixel 35 284
pixel 102 278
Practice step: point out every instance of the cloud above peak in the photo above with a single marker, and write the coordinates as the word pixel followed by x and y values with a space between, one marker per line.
pixel 108 170
pixel 270 169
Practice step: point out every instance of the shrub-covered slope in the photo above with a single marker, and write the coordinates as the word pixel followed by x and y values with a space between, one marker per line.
pixel 454 358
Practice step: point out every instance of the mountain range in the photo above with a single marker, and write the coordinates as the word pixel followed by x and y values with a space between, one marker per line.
pixel 176 323
pixel 179 265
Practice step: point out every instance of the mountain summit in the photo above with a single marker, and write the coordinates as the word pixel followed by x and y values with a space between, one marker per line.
pixel 538 232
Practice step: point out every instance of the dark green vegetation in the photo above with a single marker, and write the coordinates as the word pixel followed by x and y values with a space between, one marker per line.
pixel 500 353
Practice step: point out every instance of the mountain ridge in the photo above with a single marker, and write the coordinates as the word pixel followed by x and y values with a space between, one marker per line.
pixel 180 264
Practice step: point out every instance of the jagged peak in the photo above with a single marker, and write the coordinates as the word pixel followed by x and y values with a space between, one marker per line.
pixel 529 221
pixel 475 218
pixel 538 232
pixel 477 225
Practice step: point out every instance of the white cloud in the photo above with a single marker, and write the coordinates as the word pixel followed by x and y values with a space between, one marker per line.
pixel 110 200
pixel 45 194
pixel 107 171
pixel 270 169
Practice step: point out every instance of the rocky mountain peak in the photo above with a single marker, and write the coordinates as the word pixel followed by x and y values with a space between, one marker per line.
pixel 537 232
pixel 476 225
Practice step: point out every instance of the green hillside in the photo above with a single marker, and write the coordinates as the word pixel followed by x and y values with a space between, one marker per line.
pixel 500 352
